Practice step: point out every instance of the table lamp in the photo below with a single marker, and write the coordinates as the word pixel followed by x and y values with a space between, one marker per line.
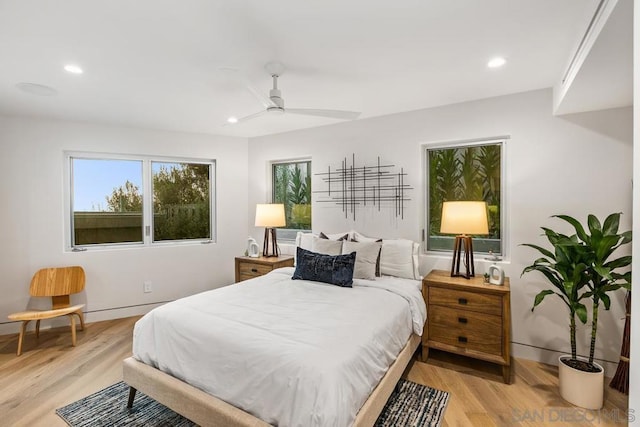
pixel 270 216
pixel 464 218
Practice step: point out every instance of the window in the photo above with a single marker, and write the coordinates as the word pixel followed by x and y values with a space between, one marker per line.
pixel 116 200
pixel 472 171
pixel 181 201
pixel 291 185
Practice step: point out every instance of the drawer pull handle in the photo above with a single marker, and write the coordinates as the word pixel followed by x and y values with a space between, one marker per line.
pixel 462 339
pixel 462 301
pixel 462 320
pixel 254 270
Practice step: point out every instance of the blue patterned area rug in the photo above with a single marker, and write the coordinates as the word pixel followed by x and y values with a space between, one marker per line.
pixel 410 405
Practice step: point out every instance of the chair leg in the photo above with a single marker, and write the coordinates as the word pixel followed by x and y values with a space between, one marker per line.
pixel 38 328
pixel 23 330
pixel 81 317
pixel 73 329
pixel 132 395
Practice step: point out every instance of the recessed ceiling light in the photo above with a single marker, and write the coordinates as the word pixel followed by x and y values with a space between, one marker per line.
pixel 496 62
pixel 232 120
pixel 73 69
pixel 36 89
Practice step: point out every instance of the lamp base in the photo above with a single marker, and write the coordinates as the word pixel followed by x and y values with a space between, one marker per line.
pixel 463 243
pixel 270 246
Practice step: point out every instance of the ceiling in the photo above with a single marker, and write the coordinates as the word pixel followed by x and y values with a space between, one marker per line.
pixel 158 63
pixel 601 75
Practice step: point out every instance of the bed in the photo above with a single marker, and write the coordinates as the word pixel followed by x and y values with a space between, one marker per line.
pixel 276 351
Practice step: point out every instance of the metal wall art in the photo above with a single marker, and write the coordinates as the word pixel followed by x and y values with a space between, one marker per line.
pixel 352 186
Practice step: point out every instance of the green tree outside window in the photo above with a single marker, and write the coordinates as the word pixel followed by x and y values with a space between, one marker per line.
pixel 465 173
pixel 292 187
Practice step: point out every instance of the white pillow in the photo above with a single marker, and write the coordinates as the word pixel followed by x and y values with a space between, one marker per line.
pixel 366 258
pixel 399 257
pixel 326 246
pixel 362 238
pixel 305 240
pixel 416 262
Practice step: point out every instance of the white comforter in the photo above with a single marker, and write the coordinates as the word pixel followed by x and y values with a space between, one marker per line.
pixel 291 352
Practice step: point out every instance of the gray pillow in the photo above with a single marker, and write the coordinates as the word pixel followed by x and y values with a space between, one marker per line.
pixel 367 255
pixel 325 246
pixel 361 238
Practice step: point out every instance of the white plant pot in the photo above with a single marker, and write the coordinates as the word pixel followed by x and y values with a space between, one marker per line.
pixel 583 389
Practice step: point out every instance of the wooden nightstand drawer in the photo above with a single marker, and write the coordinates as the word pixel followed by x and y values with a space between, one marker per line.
pixel 467 321
pixel 250 270
pixel 459 337
pixel 472 301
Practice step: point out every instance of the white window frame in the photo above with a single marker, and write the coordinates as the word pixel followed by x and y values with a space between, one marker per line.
pixel 284 234
pixel 503 189
pixel 147 200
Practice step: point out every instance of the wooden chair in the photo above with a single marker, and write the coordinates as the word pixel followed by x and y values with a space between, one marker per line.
pixel 59 284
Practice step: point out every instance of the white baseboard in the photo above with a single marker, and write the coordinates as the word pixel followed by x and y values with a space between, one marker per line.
pixel 548 356
pixel 120 312
pixel 89 317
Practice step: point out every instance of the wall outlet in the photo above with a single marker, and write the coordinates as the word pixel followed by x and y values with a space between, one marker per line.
pixel 146 286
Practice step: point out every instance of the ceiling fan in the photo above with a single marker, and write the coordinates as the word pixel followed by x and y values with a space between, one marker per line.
pixel 274 104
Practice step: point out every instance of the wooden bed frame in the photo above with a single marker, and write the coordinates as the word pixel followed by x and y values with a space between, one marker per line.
pixel 207 410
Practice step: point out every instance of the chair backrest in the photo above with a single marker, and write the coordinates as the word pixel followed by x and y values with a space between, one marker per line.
pixel 57 283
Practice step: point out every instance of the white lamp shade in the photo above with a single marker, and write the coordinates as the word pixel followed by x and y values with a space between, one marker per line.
pixel 270 215
pixel 464 217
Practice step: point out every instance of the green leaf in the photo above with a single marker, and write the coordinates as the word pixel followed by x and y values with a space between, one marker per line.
pixel 626 237
pixel 611 224
pixel 551 275
pixel 603 272
pixel 540 297
pixel 605 247
pixel 542 261
pixel 619 262
pixel 576 224
pixel 626 277
pixel 611 287
pixel 606 301
pixel 594 224
pixel 542 250
pixel 581 312
pixel 568 287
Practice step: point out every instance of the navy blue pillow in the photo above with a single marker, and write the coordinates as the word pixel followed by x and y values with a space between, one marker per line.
pixel 334 269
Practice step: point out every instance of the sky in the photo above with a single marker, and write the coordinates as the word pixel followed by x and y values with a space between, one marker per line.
pixel 95 179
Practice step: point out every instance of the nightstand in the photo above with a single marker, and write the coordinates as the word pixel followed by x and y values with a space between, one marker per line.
pixel 248 268
pixel 468 317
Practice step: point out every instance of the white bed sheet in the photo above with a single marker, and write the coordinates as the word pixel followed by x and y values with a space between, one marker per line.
pixel 291 352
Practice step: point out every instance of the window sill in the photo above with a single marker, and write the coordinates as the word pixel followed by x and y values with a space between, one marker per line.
pixel 130 246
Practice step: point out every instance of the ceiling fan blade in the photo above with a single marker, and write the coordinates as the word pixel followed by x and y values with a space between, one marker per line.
pixel 243 80
pixel 246 118
pixel 334 114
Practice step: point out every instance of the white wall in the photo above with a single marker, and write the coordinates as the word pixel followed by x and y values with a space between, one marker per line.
pixel 576 164
pixel 32 218
pixel 634 372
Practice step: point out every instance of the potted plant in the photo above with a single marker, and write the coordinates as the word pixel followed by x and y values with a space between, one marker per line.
pixel 580 270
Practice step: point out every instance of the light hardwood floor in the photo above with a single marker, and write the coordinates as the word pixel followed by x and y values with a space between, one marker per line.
pixel 51 373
